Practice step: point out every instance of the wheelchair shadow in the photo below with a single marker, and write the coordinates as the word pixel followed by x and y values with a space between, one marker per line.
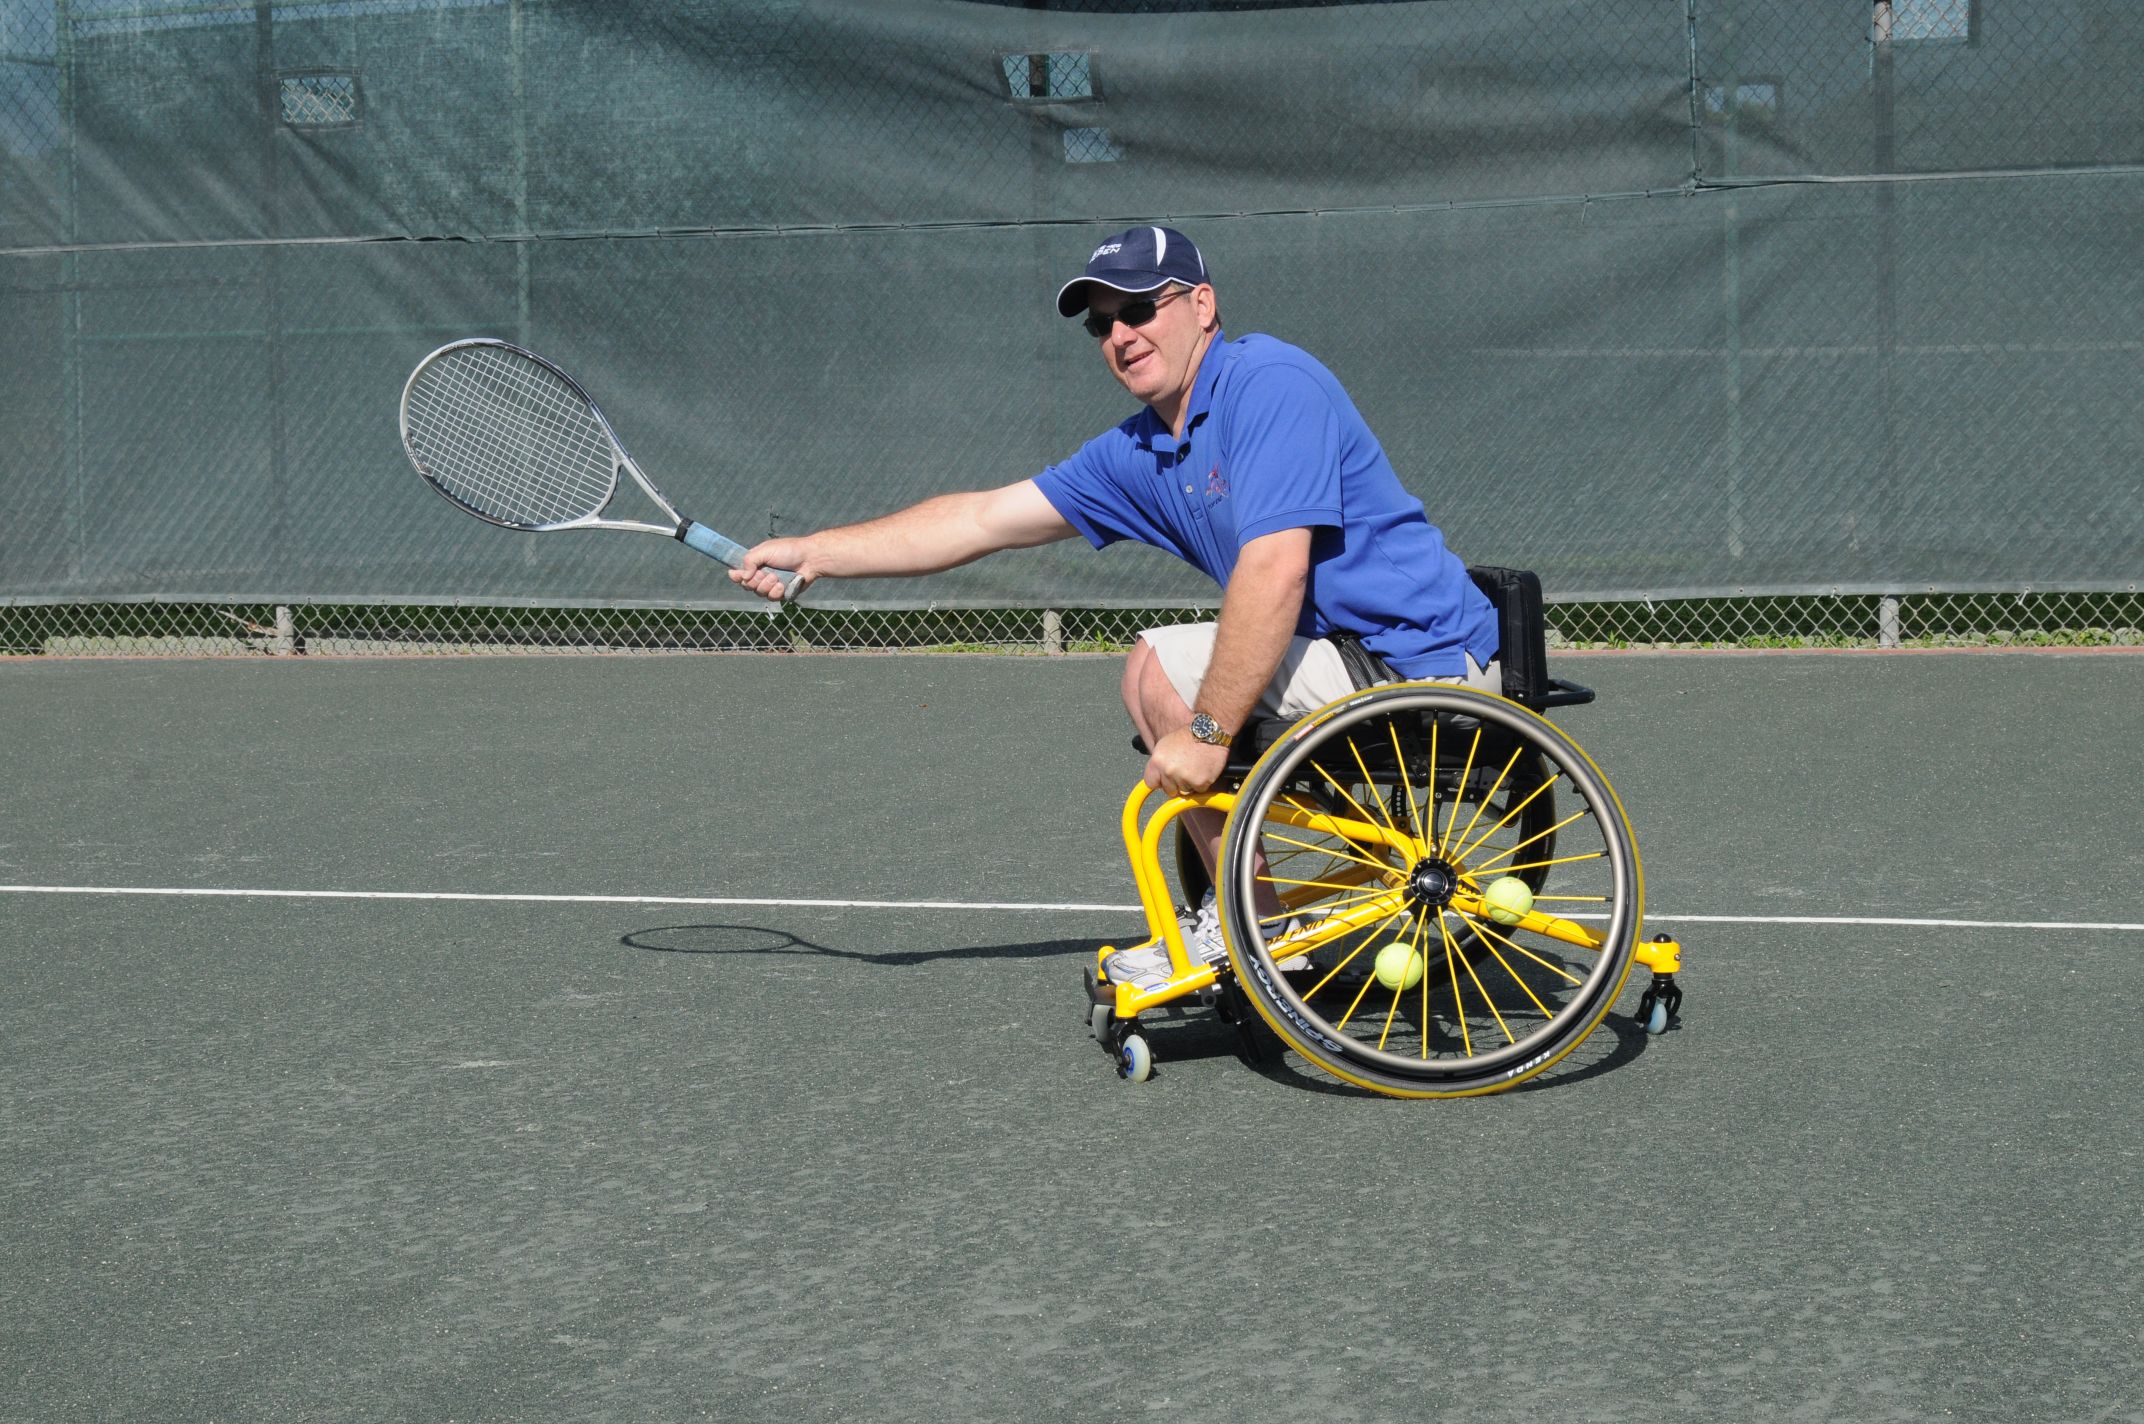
pixel 1196 1035
pixel 1631 1040
pixel 1179 1034
pixel 766 940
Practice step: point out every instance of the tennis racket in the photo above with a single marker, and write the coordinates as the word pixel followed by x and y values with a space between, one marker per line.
pixel 507 436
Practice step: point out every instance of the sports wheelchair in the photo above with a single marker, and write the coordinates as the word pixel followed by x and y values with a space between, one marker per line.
pixel 1424 890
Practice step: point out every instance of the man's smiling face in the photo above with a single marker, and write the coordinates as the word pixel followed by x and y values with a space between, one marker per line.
pixel 1158 361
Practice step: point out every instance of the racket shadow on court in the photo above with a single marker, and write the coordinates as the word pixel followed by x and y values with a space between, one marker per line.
pixel 764 940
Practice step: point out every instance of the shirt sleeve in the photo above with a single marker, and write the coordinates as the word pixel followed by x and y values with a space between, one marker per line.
pixel 1284 444
pixel 1097 491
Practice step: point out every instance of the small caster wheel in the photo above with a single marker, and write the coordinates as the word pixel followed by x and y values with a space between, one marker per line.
pixel 1662 1002
pixel 1098 1017
pixel 1135 1061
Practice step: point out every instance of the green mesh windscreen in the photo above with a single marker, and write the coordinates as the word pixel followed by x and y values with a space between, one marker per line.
pixel 1655 297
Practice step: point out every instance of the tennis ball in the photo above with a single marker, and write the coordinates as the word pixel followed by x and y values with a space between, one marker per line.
pixel 1398 966
pixel 1508 899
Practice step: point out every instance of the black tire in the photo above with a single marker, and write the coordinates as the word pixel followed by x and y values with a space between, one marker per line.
pixel 1388 813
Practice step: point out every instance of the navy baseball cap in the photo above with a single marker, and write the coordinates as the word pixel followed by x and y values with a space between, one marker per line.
pixel 1140 259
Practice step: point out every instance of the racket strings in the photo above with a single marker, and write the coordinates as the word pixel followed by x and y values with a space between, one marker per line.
pixel 507 438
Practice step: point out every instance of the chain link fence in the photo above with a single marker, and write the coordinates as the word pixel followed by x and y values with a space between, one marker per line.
pixel 1742 323
pixel 152 629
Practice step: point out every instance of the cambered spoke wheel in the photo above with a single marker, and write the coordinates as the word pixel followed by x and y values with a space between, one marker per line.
pixel 1361 921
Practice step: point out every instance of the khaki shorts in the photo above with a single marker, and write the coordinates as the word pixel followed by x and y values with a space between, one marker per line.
pixel 1311 672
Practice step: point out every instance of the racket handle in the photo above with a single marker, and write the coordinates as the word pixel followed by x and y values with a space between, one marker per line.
pixel 696 535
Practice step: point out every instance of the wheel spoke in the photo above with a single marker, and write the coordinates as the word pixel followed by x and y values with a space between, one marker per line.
pixel 1315 849
pixel 1488 933
pixel 1421 932
pixel 1511 815
pixel 1360 995
pixel 1490 1003
pixel 1367 937
pixel 1335 922
pixel 1399 760
pixel 1398 836
pixel 1365 815
pixel 1524 987
pixel 1540 864
pixel 1538 835
pixel 1452 958
pixel 1481 803
pixel 1459 798
pixel 1398 991
pixel 1318 884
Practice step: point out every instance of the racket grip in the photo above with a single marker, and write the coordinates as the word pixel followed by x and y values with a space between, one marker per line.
pixel 696 535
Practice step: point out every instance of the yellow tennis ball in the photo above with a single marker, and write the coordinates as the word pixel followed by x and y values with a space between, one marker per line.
pixel 1399 967
pixel 1508 898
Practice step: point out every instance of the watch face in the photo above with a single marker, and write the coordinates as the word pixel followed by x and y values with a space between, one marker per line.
pixel 1205 728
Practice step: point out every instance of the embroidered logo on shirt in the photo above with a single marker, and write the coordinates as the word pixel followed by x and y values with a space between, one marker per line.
pixel 1216 484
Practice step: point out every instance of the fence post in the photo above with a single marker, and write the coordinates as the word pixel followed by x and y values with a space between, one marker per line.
pixel 1887 621
pixel 1053 632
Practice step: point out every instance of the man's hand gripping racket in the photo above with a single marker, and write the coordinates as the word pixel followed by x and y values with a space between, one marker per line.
pixel 507 436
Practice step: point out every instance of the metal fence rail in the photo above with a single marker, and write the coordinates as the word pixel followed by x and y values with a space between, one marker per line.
pixel 153 628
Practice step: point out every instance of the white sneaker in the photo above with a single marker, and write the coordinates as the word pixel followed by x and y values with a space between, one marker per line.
pixel 1147 966
pixel 1202 932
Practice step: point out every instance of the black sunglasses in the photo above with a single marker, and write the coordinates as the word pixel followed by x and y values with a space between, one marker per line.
pixel 1137 313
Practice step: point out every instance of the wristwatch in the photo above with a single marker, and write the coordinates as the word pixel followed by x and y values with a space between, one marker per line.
pixel 1205 729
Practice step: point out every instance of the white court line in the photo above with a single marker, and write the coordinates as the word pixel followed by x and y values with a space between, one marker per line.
pixel 207 892
pixel 1886 920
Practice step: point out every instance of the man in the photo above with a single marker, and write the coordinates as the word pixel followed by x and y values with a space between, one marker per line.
pixel 1248 461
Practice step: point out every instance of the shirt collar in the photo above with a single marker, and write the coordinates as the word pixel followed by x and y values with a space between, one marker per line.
pixel 1155 435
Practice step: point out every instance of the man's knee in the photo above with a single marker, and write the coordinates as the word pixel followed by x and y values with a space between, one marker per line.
pixel 1149 696
pixel 1135 666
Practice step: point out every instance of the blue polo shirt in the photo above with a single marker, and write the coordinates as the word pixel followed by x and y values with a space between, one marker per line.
pixel 1272 442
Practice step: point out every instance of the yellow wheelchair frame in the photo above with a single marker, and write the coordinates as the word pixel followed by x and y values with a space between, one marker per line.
pixel 1354 889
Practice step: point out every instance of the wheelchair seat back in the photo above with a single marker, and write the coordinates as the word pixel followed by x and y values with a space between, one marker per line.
pixel 1522 641
pixel 1522 630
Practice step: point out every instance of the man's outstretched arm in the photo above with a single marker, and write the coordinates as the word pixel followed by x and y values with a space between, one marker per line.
pixel 940 533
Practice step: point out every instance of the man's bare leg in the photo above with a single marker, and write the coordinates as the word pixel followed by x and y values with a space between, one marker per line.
pixel 1157 709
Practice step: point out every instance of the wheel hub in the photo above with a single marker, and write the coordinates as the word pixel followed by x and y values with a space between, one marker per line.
pixel 1432 883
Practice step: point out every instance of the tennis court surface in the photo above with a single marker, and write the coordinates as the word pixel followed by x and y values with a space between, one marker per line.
pixel 700 1037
